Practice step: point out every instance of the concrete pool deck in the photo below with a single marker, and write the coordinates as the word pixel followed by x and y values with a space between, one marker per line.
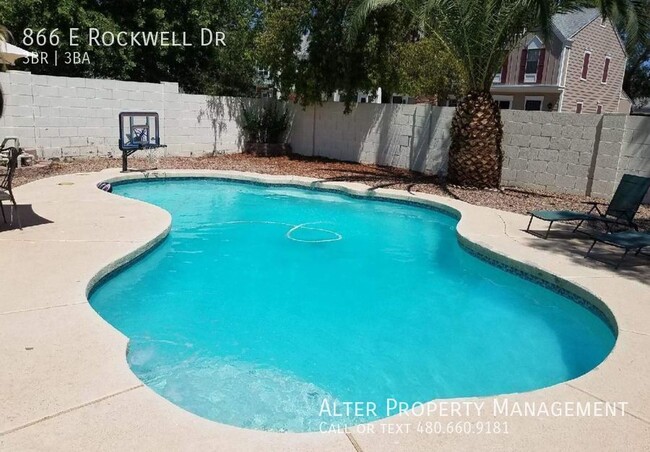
pixel 65 383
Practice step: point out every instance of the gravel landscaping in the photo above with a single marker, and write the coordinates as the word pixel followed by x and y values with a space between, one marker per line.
pixel 509 199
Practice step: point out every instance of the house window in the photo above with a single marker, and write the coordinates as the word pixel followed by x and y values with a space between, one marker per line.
pixel 605 70
pixel 585 66
pixel 532 63
pixel 504 102
pixel 599 109
pixel 533 103
pixel 579 107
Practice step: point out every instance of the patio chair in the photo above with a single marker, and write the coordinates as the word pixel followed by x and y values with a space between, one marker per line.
pixel 6 179
pixel 627 240
pixel 621 210
pixel 24 157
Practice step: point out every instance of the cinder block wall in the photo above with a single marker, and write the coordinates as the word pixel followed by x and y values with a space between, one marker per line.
pixel 559 152
pixel 67 116
pixel 574 153
pixel 635 149
pixel 548 150
pixel 413 137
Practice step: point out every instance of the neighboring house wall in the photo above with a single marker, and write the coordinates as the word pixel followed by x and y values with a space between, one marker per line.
pixel 625 104
pixel 519 100
pixel 552 58
pixel 602 41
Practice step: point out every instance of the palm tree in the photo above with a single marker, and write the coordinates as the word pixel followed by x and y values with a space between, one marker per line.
pixel 480 34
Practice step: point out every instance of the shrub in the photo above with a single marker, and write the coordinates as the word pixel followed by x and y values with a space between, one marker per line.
pixel 265 123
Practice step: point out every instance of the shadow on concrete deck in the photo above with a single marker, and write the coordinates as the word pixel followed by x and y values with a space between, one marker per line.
pixel 25 213
pixel 564 242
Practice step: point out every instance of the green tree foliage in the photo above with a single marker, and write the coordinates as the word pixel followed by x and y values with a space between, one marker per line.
pixel 198 69
pixel 421 75
pixel 479 34
pixel 637 75
pixel 307 47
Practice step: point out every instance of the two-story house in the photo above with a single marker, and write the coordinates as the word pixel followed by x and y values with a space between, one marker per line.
pixel 579 70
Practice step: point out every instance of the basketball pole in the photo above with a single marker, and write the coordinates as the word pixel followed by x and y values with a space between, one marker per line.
pixel 124 162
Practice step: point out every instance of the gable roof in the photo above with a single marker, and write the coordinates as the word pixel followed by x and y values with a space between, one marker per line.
pixel 569 24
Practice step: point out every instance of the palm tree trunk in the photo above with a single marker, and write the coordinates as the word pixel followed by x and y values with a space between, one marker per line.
pixel 475 156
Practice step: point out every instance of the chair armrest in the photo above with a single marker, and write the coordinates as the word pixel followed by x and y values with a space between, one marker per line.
pixel 594 206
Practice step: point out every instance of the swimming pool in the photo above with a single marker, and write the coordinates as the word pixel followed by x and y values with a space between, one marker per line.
pixel 267 303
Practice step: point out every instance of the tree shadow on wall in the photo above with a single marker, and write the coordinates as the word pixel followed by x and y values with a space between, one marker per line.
pixel 222 110
pixel 413 137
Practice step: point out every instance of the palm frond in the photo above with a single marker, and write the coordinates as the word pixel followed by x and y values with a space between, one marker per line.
pixel 632 16
pixel 361 9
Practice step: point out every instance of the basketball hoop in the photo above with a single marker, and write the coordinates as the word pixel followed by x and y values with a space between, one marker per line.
pixel 140 131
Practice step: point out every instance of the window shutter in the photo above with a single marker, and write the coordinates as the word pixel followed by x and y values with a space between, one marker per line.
pixel 522 65
pixel 540 65
pixel 585 66
pixel 504 70
pixel 606 70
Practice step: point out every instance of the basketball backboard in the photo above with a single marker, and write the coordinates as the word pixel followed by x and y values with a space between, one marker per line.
pixel 139 130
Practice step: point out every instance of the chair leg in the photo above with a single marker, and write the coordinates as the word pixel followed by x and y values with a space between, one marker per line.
pixel 529 223
pixel 548 230
pixel 622 258
pixel 579 224
pixel 591 248
pixel 608 227
pixel 15 209
pixel 3 212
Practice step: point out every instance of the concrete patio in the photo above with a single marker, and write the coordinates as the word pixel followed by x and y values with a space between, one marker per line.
pixel 65 383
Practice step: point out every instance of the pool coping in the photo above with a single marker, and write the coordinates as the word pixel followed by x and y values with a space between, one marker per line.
pixel 491 233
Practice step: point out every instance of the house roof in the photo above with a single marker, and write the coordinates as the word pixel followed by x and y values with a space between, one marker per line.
pixel 569 24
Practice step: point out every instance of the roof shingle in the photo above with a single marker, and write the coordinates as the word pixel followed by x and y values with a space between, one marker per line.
pixel 571 23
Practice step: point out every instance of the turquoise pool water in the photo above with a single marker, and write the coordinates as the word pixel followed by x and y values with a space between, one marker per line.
pixel 264 302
